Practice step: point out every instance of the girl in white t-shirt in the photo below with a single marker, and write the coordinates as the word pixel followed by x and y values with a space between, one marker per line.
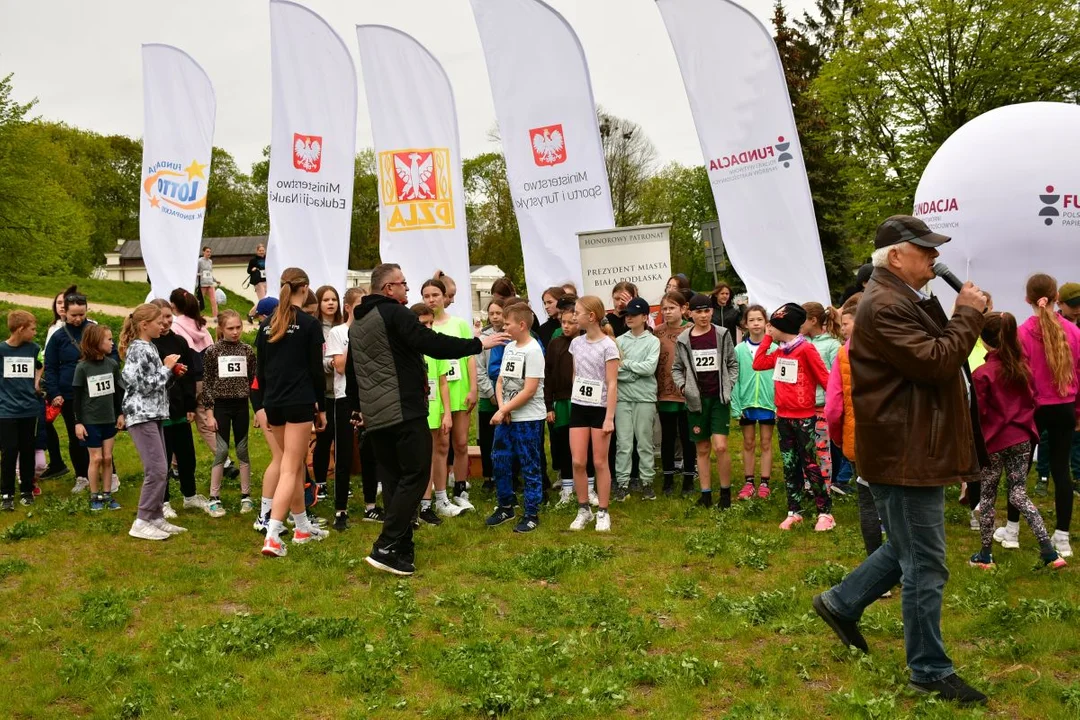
pixel 592 408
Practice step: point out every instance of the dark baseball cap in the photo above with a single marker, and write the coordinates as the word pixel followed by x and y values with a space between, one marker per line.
pixel 1069 293
pixel 637 306
pixel 700 302
pixel 266 306
pixel 904 228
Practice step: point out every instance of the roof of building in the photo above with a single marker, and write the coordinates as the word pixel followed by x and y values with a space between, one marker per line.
pixel 243 245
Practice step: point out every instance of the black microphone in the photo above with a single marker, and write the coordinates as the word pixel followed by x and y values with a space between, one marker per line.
pixel 942 271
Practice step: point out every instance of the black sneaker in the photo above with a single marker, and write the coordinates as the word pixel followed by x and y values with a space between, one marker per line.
pixel 619 493
pixel 527 524
pixel 846 630
pixel 320 491
pixel 26 499
pixel 704 500
pixel 375 514
pixel 7 502
pixel 390 562
pixel 501 515
pixel 687 485
pixel 647 493
pixel 950 688
pixel 429 516
pixel 488 486
pixel 231 471
pixel 51 473
pixel 341 521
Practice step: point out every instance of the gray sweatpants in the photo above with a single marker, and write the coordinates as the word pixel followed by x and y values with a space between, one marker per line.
pixel 149 439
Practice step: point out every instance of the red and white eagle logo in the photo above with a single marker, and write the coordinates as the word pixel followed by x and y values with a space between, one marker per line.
pixel 548 145
pixel 307 152
pixel 415 175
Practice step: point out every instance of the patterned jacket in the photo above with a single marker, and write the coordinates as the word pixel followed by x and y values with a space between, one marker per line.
pixel 146 379
pixel 233 359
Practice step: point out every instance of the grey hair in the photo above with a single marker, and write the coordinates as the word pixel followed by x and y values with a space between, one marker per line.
pixel 381 275
pixel 880 257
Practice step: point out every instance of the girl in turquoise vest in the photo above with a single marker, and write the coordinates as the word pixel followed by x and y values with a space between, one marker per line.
pixel 752 403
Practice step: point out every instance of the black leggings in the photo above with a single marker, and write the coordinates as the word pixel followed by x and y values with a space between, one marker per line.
pixel 179 442
pixel 670 424
pixel 368 468
pixel 485 438
pixel 232 414
pixel 320 456
pixel 339 427
pixel 1058 422
pixel 80 456
pixel 18 437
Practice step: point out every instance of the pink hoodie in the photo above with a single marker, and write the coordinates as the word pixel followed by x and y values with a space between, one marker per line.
pixel 1042 380
pixel 198 338
pixel 834 401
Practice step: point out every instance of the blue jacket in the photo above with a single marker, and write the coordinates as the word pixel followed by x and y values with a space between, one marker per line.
pixel 61 357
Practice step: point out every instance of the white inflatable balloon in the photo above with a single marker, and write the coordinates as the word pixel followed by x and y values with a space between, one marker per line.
pixel 220 295
pixel 1005 188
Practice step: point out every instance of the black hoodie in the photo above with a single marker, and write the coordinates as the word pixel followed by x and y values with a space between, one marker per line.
pixel 386 376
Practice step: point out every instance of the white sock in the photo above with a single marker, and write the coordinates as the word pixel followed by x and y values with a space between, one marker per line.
pixel 1063 534
pixel 425 504
pixel 264 506
pixel 592 484
pixel 440 497
pixel 568 485
pixel 1012 527
pixel 274 528
pixel 300 520
pixel 369 506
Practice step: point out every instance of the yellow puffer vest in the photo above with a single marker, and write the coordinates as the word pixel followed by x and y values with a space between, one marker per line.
pixel 849 408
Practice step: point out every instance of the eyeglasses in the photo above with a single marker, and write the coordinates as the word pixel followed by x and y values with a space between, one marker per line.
pixel 402 284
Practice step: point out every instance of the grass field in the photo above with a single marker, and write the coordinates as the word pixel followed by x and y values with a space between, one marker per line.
pixel 102 292
pixel 678 613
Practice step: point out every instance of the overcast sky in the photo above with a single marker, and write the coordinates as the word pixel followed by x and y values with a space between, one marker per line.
pixel 81 60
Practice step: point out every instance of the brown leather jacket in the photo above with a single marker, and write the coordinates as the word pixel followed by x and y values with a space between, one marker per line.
pixel 916 422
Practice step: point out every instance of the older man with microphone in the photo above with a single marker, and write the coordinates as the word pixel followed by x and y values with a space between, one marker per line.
pixel 916 432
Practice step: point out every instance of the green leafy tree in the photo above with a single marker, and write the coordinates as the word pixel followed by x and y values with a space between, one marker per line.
pixel 630 158
pixel 682 196
pixel 489 211
pixel 903 75
pixel 235 205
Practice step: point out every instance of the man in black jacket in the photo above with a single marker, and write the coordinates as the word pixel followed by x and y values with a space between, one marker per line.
pixel 386 381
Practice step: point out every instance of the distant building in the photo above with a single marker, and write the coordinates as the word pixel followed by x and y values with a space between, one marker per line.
pixel 231 256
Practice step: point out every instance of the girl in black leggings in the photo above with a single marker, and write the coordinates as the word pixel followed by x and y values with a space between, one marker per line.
pixel 1052 348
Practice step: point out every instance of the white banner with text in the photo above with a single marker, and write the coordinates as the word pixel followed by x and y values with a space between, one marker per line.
pixel 641 255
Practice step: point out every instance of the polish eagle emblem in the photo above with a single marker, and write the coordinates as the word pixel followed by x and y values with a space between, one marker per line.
pixel 548 145
pixel 307 152
pixel 415 172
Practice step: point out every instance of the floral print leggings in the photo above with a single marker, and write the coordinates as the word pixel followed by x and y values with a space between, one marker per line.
pixel 1016 460
pixel 798 449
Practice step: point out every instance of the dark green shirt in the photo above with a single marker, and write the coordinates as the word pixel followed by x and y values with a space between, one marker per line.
pixel 99 391
pixel 18 399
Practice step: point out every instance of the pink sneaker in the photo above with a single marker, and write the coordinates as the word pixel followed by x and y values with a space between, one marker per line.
pixel 791 521
pixel 747 491
pixel 763 491
pixel 824 522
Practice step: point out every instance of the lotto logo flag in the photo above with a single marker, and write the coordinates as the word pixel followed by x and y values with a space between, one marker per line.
pixel 551 140
pixel 178 134
pixel 312 147
pixel 739 100
pixel 414 124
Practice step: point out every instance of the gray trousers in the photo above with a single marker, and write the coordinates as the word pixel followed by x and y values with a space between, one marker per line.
pixel 149 439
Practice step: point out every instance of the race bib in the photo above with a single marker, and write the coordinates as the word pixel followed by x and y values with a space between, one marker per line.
pixel 432 391
pixel 100 385
pixel 705 360
pixel 232 367
pixel 587 392
pixel 18 367
pixel 787 370
pixel 455 370
pixel 207 277
pixel 514 366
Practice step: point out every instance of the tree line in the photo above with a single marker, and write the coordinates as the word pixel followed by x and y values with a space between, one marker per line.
pixel 876 86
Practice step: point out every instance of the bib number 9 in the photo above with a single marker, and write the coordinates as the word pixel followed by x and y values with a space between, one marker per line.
pixel 787 371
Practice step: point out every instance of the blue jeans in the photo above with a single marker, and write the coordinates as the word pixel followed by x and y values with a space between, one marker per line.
pixel 1042 462
pixel 522 441
pixel 914 554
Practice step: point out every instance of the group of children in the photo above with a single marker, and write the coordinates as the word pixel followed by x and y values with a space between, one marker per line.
pixel 599 381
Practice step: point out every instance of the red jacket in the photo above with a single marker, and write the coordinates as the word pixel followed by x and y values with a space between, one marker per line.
pixel 1006 412
pixel 794 399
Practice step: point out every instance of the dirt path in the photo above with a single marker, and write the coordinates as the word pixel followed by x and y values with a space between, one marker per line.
pixel 44 302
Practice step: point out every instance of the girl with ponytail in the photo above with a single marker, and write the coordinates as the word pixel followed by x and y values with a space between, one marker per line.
pixel 1052 349
pixel 1007 415
pixel 292 390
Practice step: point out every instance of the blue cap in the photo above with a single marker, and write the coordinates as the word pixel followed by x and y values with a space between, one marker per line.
pixel 266 306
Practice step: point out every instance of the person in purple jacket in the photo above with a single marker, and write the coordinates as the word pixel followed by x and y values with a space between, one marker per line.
pixel 1007 418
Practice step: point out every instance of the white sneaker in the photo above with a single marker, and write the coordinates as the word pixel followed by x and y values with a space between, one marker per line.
pixel 974 524
pixel 1008 540
pixel 462 501
pixel 147 531
pixel 593 499
pixel 1060 541
pixel 300 537
pixel 603 521
pixel 115 482
pixel 81 484
pixel 163 524
pixel 584 517
pixel 246 505
pixel 215 509
pixel 167 511
pixel 448 509
pixel 198 502
pixel 565 498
